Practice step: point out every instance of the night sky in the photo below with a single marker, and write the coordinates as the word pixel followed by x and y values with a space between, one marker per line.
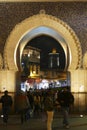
pixel 46 44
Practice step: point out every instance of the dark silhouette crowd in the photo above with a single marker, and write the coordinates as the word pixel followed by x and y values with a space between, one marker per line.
pixel 45 103
pixel 39 103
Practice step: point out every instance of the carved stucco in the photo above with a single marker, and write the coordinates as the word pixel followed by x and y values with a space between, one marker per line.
pixel 36 21
pixel 1 62
pixel 85 61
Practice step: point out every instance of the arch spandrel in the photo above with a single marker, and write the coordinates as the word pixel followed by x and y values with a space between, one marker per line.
pixel 85 61
pixel 36 21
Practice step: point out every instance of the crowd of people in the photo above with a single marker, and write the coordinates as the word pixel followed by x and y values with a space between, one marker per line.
pixel 39 103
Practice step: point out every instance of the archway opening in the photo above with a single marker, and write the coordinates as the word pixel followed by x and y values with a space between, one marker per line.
pixel 44 44
pixel 38 25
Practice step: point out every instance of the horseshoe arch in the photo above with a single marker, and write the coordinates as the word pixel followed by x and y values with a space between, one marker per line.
pixel 49 22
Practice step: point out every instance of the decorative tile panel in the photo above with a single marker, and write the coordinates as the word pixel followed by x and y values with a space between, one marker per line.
pixel 73 13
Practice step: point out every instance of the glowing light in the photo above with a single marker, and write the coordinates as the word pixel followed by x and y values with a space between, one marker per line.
pixel 28 55
pixel 81 89
pixel 81 116
pixel 2 116
pixel 54 50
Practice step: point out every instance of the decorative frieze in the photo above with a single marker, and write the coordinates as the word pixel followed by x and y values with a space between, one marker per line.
pixel 1 62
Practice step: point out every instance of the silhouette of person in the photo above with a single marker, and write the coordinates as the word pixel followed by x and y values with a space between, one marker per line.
pixel 65 99
pixel 22 105
pixel 6 101
pixel 49 108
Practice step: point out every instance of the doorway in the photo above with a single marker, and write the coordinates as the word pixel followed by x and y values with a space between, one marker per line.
pixel 49 26
pixel 38 61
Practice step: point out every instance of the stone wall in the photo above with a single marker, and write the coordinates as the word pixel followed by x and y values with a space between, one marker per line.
pixel 79 90
pixel 73 13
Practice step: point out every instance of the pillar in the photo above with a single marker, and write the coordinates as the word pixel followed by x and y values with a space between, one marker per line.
pixel 79 90
pixel 9 80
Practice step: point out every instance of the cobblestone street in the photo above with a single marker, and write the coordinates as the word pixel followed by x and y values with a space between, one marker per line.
pixel 76 122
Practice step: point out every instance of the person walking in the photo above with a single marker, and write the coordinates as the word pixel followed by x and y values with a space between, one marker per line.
pixel 49 108
pixel 6 101
pixel 37 105
pixel 22 105
pixel 65 99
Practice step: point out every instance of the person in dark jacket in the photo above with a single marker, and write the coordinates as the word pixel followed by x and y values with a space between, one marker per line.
pixel 22 105
pixel 6 101
pixel 49 108
pixel 65 99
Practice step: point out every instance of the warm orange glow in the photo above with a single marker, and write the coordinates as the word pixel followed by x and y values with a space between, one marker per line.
pixel 37 80
pixel 54 50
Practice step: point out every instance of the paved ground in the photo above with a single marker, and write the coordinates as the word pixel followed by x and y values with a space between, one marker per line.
pixel 76 122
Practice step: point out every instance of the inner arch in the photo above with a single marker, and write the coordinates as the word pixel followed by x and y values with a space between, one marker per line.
pixel 44 31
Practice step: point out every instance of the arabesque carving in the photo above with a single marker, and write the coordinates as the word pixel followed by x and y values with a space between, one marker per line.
pixel 36 21
pixel 1 62
pixel 85 61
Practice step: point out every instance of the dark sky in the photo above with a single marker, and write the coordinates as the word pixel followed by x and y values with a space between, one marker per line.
pixel 46 44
